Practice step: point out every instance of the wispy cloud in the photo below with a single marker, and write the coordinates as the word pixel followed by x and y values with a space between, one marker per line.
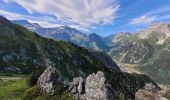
pixel 80 13
pixel 152 16
pixel 144 19
pixel 41 21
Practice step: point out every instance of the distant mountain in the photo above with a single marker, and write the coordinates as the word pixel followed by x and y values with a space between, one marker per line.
pixel 25 23
pixel 23 51
pixel 149 49
pixel 159 32
pixel 97 43
pixel 117 38
pixel 69 34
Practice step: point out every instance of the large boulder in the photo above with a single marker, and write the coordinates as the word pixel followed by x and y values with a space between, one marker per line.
pixel 49 79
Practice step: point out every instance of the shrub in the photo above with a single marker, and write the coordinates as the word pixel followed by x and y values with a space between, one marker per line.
pixel 33 78
pixel 36 93
pixel 121 96
pixel 32 93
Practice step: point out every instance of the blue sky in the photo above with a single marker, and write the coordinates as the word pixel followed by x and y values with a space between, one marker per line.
pixel 103 17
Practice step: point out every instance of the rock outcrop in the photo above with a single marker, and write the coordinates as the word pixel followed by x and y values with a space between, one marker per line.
pixel 94 87
pixel 77 88
pixel 49 79
pixel 149 92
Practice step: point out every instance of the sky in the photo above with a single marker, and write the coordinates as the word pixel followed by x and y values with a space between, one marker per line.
pixel 103 17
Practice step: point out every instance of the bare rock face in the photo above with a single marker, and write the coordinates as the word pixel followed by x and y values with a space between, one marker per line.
pixel 77 88
pixel 77 85
pixel 94 87
pixel 49 79
pixel 149 92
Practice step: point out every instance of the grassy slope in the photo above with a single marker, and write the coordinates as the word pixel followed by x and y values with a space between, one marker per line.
pixel 12 89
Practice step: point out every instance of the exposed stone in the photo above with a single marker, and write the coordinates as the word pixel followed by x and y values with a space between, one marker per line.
pixel 165 90
pixel 49 79
pixel 96 87
pixel 149 92
pixel 77 85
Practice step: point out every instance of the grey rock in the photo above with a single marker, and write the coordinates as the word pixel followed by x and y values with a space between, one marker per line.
pixel 96 87
pixel 49 79
pixel 76 87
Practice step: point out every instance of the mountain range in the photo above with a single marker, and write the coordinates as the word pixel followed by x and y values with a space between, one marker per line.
pixel 146 51
pixel 23 52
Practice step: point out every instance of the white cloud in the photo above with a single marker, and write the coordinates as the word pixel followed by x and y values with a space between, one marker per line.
pixel 81 13
pixel 152 16
pixel 41 21
pixel 6 1
pixel 143 20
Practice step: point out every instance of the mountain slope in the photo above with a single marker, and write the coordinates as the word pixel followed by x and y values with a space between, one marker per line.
pixel 159 32
pixel 21 48
pixel 97 43
pixel 148 50
pixel 23 51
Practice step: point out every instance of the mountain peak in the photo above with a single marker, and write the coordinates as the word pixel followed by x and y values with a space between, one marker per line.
pixel 160 30
pixel 160 25
pixel 93 35
pixel 27 24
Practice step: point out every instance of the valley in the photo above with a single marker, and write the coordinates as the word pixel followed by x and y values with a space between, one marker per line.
pixel 148 49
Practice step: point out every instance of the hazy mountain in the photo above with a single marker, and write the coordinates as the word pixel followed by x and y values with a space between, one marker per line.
pixel 69 34
pixel 148 49
pixel 25 23
pixel 96 42
pixel 159 32
pixel 118 37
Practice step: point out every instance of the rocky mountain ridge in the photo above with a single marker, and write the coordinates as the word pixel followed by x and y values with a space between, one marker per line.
pixel 93 87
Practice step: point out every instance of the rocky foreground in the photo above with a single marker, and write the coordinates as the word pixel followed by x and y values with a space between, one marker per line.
pixel 95 87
